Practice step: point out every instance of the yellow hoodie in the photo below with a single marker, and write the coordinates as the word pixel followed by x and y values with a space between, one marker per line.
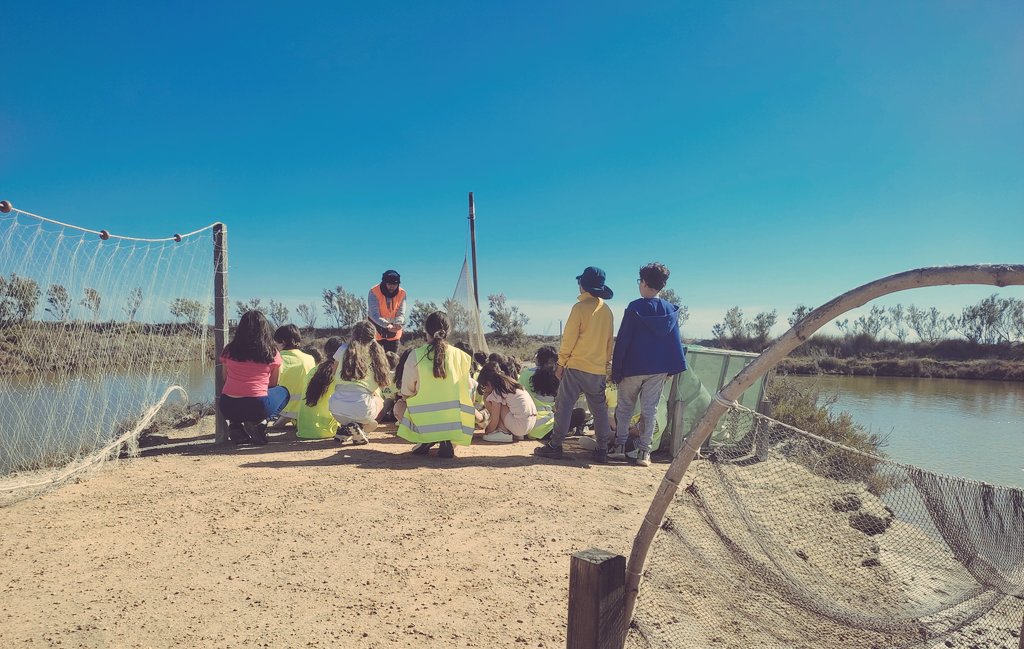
pixel 587 338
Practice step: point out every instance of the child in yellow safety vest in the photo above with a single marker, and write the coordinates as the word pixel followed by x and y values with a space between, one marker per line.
pixel 542 384
pixel 315 418
pixel 295 367
pixel 437 404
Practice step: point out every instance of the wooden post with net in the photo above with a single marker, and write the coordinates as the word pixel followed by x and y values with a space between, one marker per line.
pixel 596 590
pixel 220 319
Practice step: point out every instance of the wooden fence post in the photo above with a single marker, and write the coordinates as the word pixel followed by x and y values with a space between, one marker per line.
pixel 220 321
pixel 596 590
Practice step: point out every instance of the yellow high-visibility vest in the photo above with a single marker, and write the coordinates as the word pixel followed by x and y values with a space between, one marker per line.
pixel 442 409
pixel 545 406
pixel 295 367
pixel 316 422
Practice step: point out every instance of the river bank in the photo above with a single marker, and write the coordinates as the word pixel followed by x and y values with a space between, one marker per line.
pixel 985 369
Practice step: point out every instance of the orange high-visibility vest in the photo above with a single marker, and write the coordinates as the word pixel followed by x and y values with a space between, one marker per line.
pixel 386 312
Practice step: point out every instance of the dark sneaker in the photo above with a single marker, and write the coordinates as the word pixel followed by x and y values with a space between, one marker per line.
pixel 447 449
pixel 422 449
pixel 600 456
pixel 359 437
pixel 257 432
pixel 549 452
pixel 237 434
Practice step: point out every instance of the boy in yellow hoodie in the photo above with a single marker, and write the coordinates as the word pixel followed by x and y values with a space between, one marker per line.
pixel 583 362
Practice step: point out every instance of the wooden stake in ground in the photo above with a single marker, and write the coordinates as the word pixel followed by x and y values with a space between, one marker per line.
pixel 596 581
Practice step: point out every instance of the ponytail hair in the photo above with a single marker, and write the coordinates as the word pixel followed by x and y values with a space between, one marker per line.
pixel 437 327
pixel 324 373
pixel 364 354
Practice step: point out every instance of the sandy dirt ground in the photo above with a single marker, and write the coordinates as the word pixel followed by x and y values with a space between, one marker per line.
pixel 310 544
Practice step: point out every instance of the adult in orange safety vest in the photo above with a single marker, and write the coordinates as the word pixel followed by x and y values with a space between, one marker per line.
pixel 386 309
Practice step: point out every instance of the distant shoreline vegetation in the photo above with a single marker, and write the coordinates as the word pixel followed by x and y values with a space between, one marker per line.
pixel 983 341
pixel 73 347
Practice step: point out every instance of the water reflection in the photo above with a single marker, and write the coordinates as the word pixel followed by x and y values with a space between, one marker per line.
pixel 48 420
pixel 973 429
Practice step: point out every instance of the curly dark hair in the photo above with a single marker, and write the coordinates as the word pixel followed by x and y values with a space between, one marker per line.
pixel 546 355
pixel 655 275
pixel 544 382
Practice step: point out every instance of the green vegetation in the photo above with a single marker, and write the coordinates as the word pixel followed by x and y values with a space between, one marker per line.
pixel 30 347
pixel 508 324
pixel 983 341
pixel 811 410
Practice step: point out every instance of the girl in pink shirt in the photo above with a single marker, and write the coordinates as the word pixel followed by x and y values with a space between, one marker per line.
pixel 512 411
pixel 251 394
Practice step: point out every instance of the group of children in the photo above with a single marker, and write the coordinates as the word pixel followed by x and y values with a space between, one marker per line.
pixel 440 394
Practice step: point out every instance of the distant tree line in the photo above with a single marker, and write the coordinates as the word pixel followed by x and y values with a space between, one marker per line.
pixel 20 299
pixel 991 321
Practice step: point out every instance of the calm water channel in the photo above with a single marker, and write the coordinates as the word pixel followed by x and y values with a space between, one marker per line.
pixel 46 420
pixel 973 429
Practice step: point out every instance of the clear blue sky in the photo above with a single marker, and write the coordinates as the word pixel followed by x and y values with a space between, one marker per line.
pixel 771 153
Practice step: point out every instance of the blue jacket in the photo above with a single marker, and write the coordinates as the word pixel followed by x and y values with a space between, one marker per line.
pixel 648 340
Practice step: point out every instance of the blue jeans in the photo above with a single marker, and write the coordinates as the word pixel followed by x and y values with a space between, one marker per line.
pixel 254 409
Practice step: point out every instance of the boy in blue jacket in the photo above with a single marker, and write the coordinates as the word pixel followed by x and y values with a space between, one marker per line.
pixel 647 350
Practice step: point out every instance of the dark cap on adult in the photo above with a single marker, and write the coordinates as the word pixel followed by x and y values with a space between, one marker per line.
pixel 391 276
pixel 592 281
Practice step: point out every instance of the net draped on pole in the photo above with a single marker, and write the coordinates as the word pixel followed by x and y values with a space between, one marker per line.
pixel 96 330
pixel 802 542
pixel 463 312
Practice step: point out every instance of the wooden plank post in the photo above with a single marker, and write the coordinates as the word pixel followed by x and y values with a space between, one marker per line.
pixel 596 591
pixel 220 320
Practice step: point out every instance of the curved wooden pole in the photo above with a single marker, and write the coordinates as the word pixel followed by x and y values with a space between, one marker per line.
pixel 997 275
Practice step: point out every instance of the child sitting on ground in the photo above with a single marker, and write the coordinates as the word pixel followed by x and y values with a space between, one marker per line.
pixel 295 367
pixel 389 393
pixel 315 418
pixel 511 411
pixel 362 371
pixel 542 385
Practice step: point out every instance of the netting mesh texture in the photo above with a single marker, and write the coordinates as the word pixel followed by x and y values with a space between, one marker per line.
pixel 794 541
pixel 93 332
pixel 465 316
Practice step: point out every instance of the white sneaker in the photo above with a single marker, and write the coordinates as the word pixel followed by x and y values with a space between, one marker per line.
pixel 499 436
pixel 618 452
pixel 643 458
